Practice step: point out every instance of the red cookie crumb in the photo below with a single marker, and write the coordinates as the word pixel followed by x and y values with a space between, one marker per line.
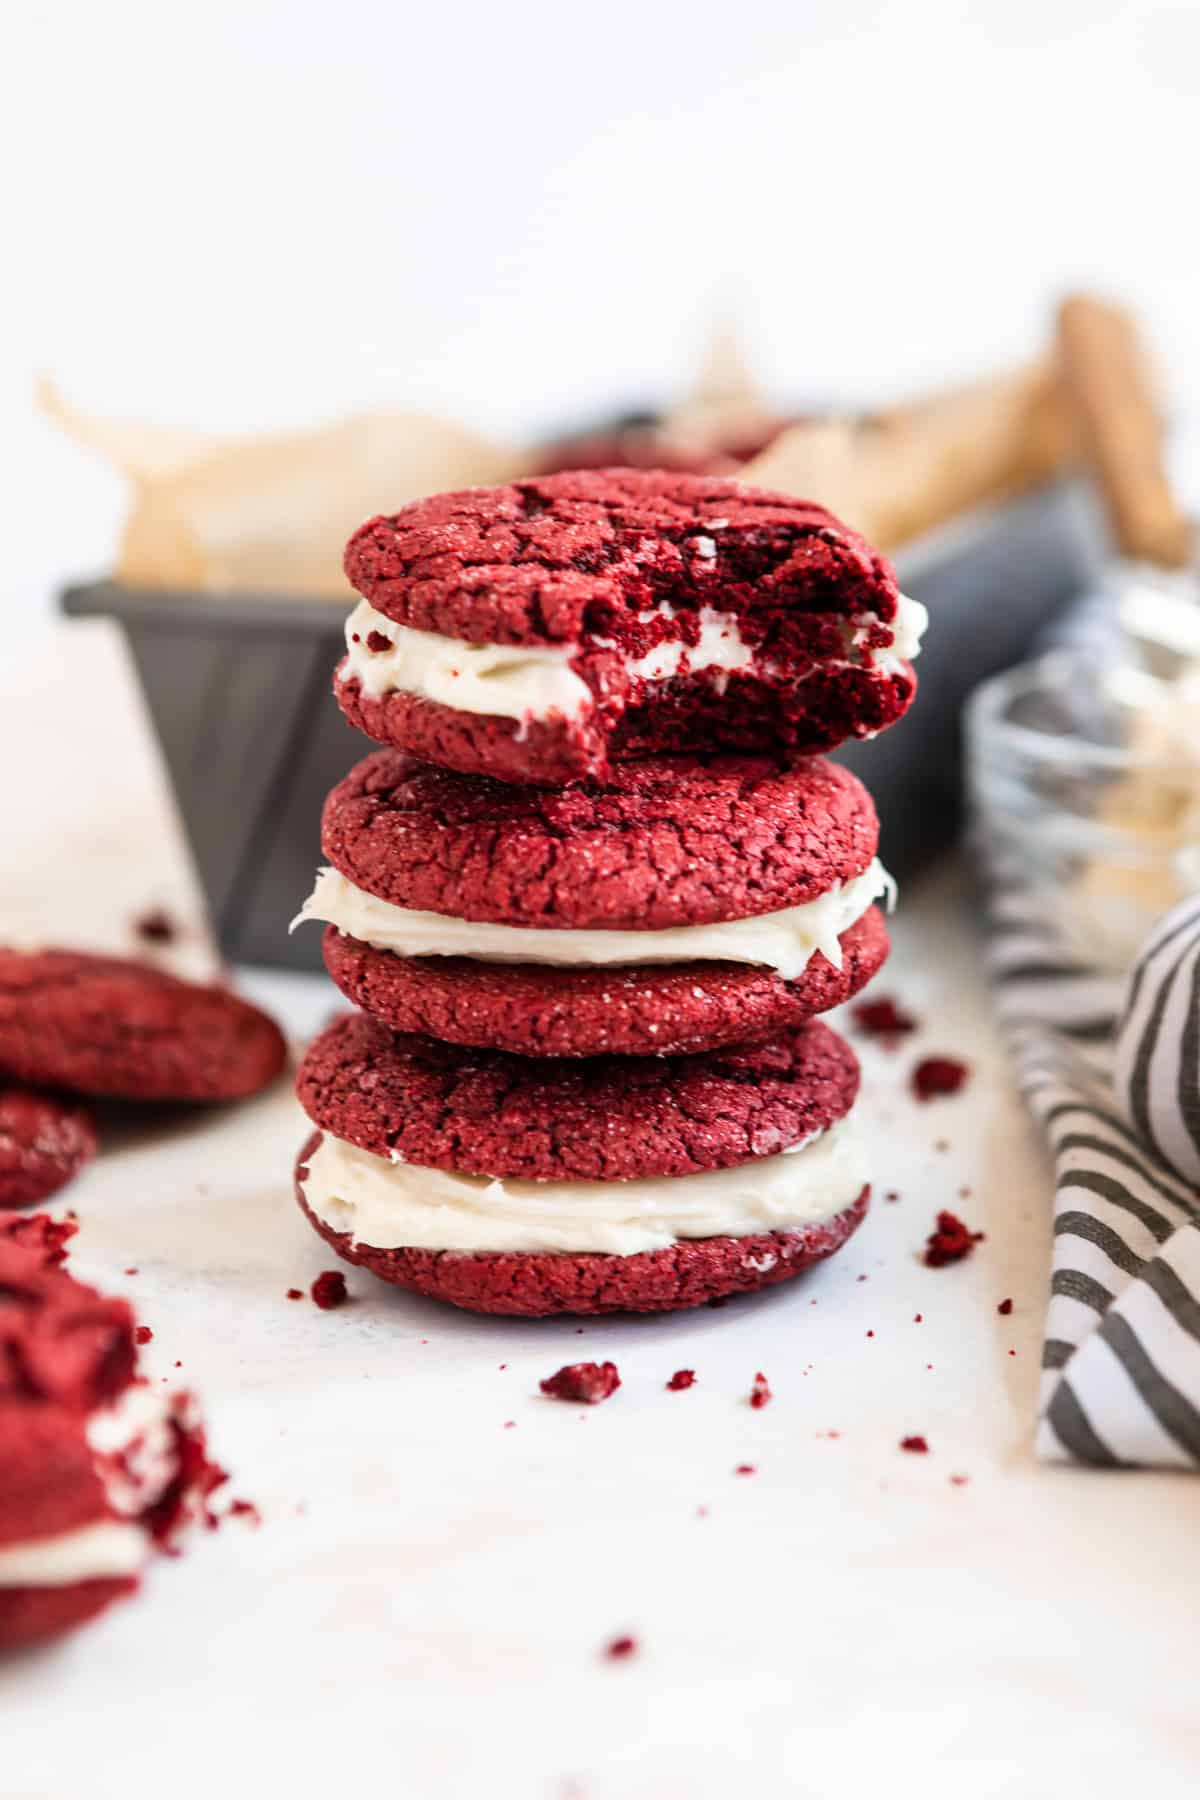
pixel 1005 1307
pixel 682 1378
pixel 938 1075
pixel 959 1480
pixel 245 1509
pixel 156 926
pixel 760 1393
pixel 883 1019
pixel 295 1293
pixel 745 1469
pixel 142 1334
pixel 378 642
pixel 950 1242
pixel 329 1290
pixel 620 1646
pixel 587 1381
pixel 916 1443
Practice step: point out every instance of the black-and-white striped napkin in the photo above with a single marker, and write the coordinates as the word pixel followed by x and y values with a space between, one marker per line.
pixel 1121 1361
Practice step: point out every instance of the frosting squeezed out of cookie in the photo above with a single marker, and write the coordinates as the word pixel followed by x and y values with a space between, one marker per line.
pixel 394 1206
pixel 785 941
pixel 536 681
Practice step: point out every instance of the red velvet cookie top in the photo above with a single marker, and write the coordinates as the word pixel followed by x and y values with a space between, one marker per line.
pixel 101 1025
pixel 576 556
pixel 667 842
pixel 483 1112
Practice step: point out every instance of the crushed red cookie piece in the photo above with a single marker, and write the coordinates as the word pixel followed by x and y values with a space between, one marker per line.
pixel 143 1335
pixel 937 1075
pixel 891 1196
pixel 329 1290
pixel 883 1019
pixel 916 1444
pixel 746 1469
pixel 295 1293
pixel 682 1378
pixel 950 1242
pixel 245 1509
pixel 1005 1307
pixel 587 1381
pixel 621 1647
pixel 156 926
pixel 760 1392
pixel 959 1480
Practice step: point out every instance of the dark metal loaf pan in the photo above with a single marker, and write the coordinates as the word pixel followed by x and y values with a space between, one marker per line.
pixel 239 691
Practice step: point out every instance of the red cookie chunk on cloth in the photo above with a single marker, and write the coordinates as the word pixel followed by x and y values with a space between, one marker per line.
pixel 44 1142
pixel 543 631
pixel 115 1029
pixel 96 1467
pixel 695 902
pixel 512 1185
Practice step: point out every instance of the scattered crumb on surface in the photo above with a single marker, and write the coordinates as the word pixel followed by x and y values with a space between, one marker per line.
pixel 682 1378
pixel 295 1293
pixel 329 1289
pixel 1005 1307
pixel 935 1076
pixel 760 1392
pixel 915 1443
pixel 950 1241
pixel 142 1334
pixel 156 926
pixel 587 1381
pixel 620 1648
pixel 883 1019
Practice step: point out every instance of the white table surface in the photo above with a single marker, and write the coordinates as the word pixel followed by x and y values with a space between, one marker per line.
pixel 425 1604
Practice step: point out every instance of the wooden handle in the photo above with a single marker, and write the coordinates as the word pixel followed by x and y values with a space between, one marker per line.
pixel 918 466
pixel 1107 378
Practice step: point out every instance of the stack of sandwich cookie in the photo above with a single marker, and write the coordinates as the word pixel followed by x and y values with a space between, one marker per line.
pixel 590 1078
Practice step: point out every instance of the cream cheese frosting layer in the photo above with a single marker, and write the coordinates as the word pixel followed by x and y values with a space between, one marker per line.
pixel 393 1206
pixel 106 1551
pixel 785 941
pixel 535 681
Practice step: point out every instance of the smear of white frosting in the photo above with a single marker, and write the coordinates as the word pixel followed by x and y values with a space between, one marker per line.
pixel 535 681
pixel 785 941
pixel 402 1205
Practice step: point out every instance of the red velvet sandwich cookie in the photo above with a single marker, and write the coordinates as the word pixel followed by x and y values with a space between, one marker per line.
pixel 96 1467
pixel 99 1025
pixel 539 632
pixel 579 1185
pixel 693 902
pixel 44 1141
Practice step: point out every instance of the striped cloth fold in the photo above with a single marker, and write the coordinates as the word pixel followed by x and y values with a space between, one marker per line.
pixel 1121 1359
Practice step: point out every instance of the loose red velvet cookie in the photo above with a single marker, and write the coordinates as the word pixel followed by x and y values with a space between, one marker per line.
pixel 44 1141
pixel 539 632
pixel 653 1010
pixel 96 1468
pixel 687 1274
pixel 103 1026
pixel 481 1112
pixel 672 841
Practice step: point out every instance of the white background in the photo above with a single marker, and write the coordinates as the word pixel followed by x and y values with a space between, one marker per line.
pixel 248 213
